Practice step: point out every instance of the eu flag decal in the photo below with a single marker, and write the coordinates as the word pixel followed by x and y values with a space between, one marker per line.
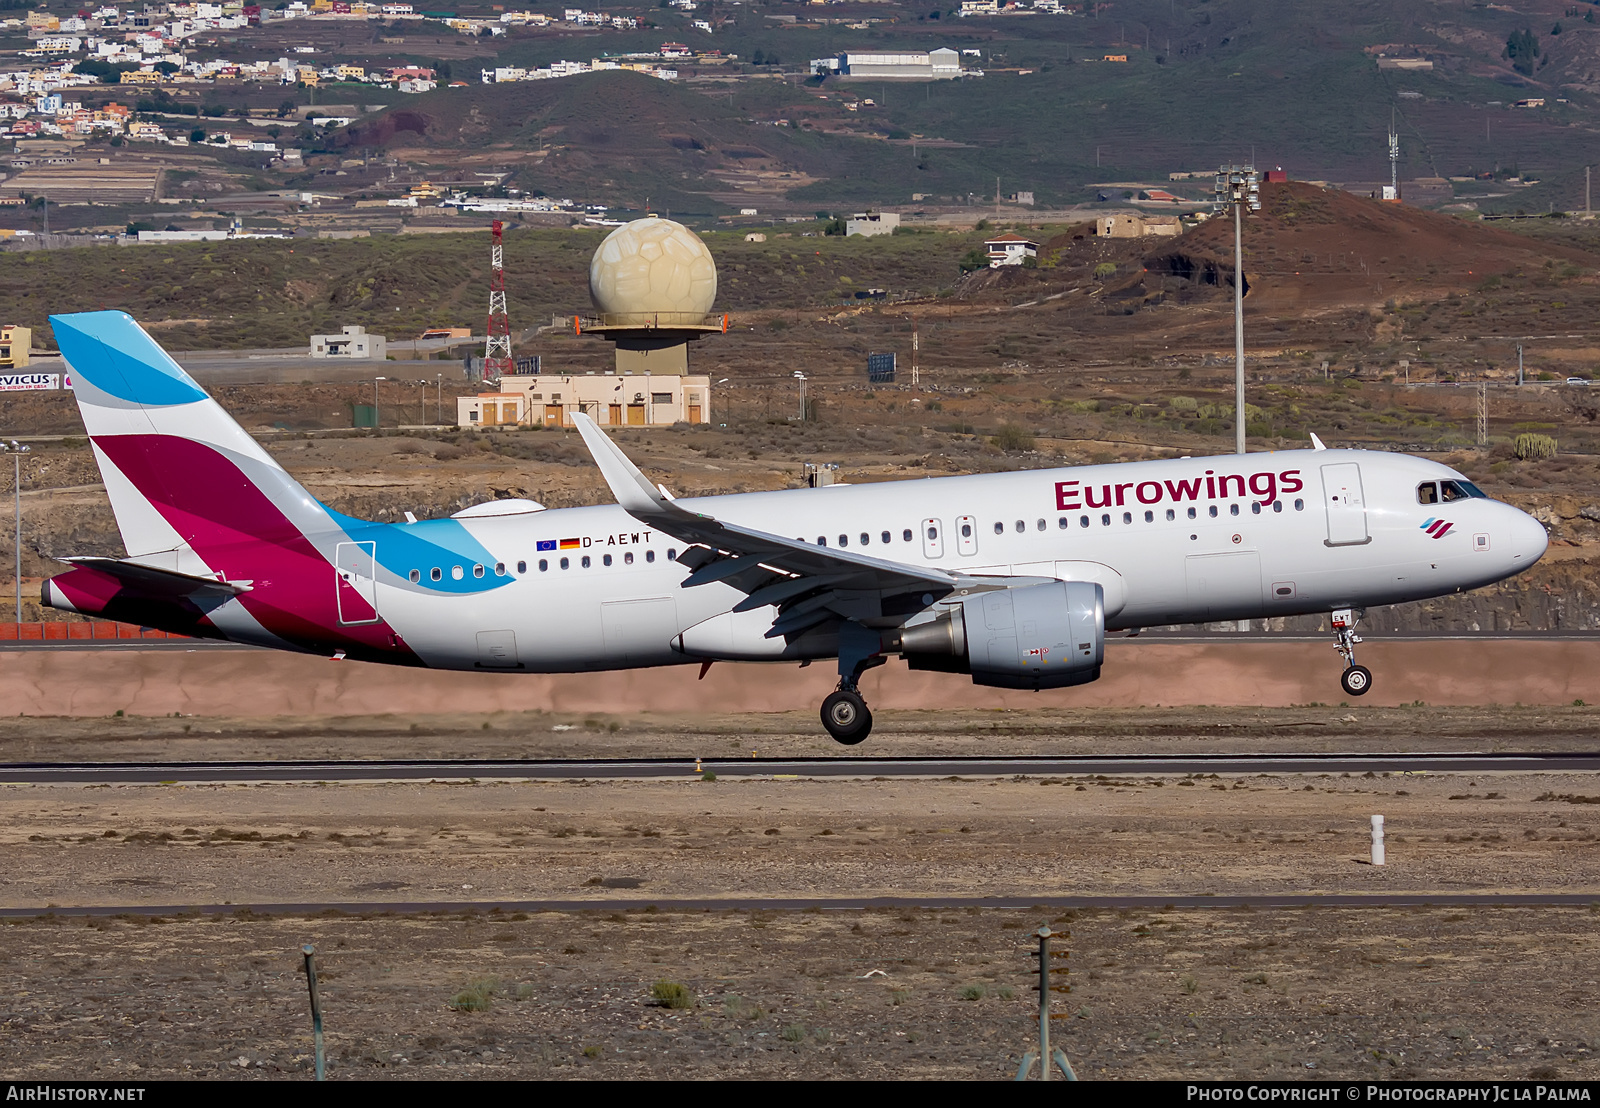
pixel 546 544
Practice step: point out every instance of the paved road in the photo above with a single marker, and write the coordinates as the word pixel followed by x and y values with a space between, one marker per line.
pixel 124 773
pixel 1020 903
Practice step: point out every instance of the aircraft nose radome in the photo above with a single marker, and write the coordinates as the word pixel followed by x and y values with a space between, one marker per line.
pixel 1529 539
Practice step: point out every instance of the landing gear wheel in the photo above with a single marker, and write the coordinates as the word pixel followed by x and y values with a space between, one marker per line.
pixel 846 716
pixel 1356 680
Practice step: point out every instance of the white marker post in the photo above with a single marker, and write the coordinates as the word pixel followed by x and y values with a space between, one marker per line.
pixel 1377 841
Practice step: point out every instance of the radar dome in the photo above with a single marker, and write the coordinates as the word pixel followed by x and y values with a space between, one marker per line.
pixel 653 272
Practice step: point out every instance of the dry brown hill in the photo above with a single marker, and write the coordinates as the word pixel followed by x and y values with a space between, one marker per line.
pixel 1312 248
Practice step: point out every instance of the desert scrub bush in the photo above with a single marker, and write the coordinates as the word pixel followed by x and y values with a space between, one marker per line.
pixel 1183 403
pixel 1104 270
pixel 1012 437
pixel 1190 983
pixel 794 1033
pixel 477 996
pixel 1532 448
pixel 972 992
pixel 671 994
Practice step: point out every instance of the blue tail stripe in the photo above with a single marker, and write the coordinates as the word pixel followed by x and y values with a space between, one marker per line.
pixel 112 352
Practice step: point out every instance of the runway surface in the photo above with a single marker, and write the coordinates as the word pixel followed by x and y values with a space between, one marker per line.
pixel 130 773
pixel 840 904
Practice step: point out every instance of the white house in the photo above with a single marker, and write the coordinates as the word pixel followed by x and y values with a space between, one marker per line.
pixel 1009 249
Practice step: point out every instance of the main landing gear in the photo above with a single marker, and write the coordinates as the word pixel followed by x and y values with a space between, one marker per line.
pixel 844 713
pixel 1356 680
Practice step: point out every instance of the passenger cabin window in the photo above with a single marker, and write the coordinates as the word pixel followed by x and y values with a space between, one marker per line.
pixel 586 562
pixel 522 567
pixel 905 536
pixel 1127 517
pixel 866 539
pixel 1021 527
pixel 844 540
pixel 435 574
pixel 477 571
pixel 1213 511
pixel 605 559
pixel 1149 517
pixel 566 563
pixel 1083 521
pixel 1062 523
pixel 649 555
pixel 416 575
pixel 1171 515
pixel 1233 509
pixel 1191 513
pixel 1039 526
pixel 822 540
pixel 1299 505
pixel 885 537
pixel 499 569
pixel 544 565
pixel 966 530
pixel 627 559
pixel 1427 493
pixel 1105 520
pixel 999 528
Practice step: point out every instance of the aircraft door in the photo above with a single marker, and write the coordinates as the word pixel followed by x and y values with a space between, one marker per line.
pixel 966 535
pixel 1345 504
pixel 356 582
pixel 932 539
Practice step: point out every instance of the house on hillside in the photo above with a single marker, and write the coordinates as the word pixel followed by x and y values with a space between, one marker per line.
pixel 1009 249
pixel 1133 225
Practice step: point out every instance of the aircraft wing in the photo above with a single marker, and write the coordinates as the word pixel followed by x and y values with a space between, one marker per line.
pixel 809 584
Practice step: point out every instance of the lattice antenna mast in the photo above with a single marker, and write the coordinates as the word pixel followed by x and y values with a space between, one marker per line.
pixel 1394 159
pixel 497 350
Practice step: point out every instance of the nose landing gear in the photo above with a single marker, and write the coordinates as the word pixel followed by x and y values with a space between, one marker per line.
pixel 1356 680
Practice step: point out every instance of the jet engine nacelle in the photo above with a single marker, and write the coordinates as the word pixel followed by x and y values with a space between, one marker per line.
pixel 1037 637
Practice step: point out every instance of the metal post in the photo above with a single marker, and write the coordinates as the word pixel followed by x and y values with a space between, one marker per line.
pixel 438 401
pixel 1044 1003
pixel 1483 413
pixel 1378 858
pixel 310 953
pixel 1238 329
pixel 375 417
pixel 1519 363
pixel 1045 1056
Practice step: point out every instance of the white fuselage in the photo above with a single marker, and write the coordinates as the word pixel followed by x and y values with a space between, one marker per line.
pixel 1170 541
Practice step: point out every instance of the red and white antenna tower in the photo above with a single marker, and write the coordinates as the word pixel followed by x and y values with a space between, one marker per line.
pixel 497 351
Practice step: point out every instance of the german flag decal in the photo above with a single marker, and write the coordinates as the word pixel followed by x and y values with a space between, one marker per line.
pixel 570 544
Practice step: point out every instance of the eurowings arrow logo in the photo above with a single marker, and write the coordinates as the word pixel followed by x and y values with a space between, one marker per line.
pixel 1438 528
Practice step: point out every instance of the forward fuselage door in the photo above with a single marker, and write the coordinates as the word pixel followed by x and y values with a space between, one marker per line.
pixel 1345 504
pixel 356 582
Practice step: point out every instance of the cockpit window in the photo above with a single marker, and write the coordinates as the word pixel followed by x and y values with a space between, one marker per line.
pixel 1427 493
pixel 1461 490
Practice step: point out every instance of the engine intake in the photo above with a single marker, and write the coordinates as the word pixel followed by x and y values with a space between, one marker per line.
pixel 1038 637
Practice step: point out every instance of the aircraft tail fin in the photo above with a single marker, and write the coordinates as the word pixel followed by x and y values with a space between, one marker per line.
pixel 183 478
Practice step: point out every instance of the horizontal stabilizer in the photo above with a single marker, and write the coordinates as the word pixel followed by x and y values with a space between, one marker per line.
pixel 164 582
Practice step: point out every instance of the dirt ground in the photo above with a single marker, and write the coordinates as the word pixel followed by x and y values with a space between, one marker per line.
pixel 916 993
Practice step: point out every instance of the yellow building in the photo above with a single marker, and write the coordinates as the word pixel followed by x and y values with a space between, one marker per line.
pixel 352 73
pixel 610 399
pixel 15 345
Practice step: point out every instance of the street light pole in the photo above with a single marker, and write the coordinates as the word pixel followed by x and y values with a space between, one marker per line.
pixel 801 377
pixel 17 450
pixel 1238 330
pixel 375 420
pixel 438 400
pixel 1238 186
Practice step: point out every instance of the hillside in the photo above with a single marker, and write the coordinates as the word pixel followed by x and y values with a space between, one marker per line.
pixel 1288 82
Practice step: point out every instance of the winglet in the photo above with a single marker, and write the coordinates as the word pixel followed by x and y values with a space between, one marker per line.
pixel 632 489
pixel 1316 443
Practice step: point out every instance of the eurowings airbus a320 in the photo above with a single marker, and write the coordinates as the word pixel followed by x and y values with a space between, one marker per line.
pixel 1011 578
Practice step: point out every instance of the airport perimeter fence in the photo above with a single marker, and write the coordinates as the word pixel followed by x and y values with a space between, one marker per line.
pixel 61 631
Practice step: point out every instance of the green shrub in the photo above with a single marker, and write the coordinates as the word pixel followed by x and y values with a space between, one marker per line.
pixel 1012 437
pixel 972 992
pixel 1104 270
pixel 671 994
pixel 1532 448
pixel 477 996
pixel 1183 404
